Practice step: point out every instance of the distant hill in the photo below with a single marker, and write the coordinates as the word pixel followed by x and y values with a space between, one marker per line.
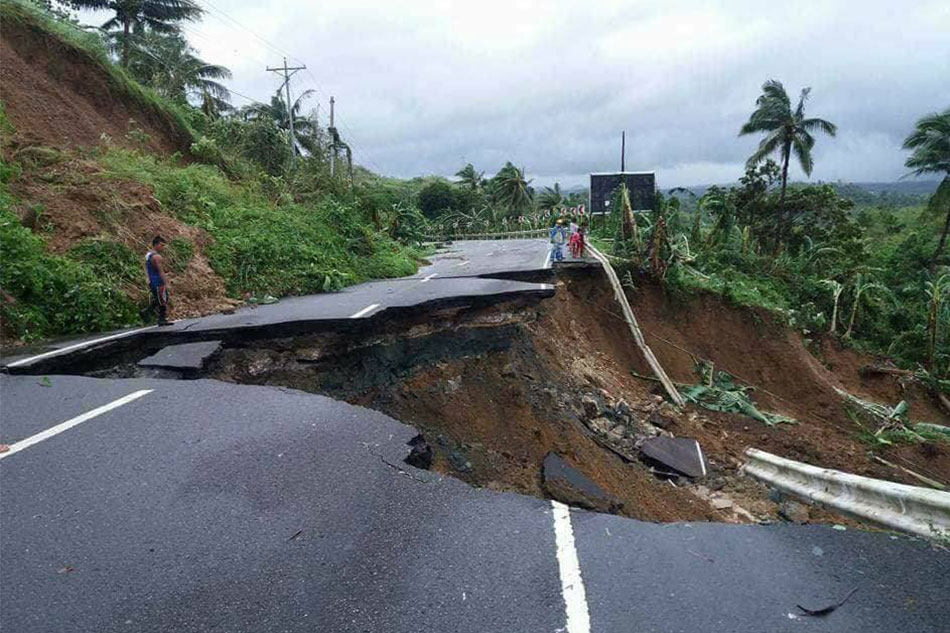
pixel 899 193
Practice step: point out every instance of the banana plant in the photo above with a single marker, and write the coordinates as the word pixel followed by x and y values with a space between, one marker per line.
pixel 862 287
pixel 836 288
pixel 937 292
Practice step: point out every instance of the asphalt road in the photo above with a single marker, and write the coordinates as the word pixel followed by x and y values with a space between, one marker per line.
pixel 462 272
pixel 205 506
pixel 163 505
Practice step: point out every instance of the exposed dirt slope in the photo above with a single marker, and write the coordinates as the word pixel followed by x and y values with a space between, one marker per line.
pixel 76 201
pixel 56 94
pixel 62 101
pixel 790 380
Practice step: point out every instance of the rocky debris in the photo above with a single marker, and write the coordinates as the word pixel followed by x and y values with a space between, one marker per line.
pixel 459 462
pixel 566 484
pixel 658 419
pixel 793 511
pixel 421 454
pixel 722 503
pixel 592 408
pixel 678 453
pixel 188 357
pixel 600 425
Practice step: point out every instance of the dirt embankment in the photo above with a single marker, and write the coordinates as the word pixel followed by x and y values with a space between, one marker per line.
pixel 57 95
pixel 789 379
pixel 67 199
pixel 62 102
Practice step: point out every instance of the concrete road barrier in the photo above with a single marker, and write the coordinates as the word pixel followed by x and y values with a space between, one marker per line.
pixel 920 511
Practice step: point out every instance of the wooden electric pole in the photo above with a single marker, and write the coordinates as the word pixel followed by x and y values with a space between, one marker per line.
pixel 287 73
pixel 333 139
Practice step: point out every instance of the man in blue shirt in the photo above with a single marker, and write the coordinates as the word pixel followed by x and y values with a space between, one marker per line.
pixel 157 282
pixel 558 238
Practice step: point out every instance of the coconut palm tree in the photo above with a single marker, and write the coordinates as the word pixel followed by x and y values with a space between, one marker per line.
pixel 169 64
pixel 469 177
pixel 510 189
pixel 134 17
pixel 551 197
pixel 930 142
pixel 305 128
pixel 786 131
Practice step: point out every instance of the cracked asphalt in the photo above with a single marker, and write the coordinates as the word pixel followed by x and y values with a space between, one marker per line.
pixel 208 506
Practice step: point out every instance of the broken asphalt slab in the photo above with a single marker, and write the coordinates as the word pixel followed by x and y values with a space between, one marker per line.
pixel 292 316
pixel 682 454
pixel 210 506
pixel 297 315
pixel 186 356
pixel 566 484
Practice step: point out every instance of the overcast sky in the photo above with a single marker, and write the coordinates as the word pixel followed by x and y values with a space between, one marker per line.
pixel 424 87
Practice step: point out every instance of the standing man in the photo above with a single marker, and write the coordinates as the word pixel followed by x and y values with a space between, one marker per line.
pixel 558 238
pixel 157 282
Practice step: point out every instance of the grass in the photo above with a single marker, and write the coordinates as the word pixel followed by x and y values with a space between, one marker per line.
pixel 257 246
pixel 261 247
pixel 48 294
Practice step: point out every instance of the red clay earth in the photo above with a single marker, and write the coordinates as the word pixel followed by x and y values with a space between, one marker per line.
pixel 791 380
pixel 56 95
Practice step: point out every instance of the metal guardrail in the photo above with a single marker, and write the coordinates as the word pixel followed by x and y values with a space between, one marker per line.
pixel 511 235
pixel 920 511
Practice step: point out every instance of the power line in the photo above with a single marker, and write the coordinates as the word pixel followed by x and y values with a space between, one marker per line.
pixel 221 15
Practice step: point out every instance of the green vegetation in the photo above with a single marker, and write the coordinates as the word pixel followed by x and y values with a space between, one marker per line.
pixel 876 275
pixel 273 230
pixel 46 294
pixel 786 131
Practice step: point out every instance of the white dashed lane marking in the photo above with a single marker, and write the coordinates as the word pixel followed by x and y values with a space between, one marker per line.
pixel 63 350
pixel 68 424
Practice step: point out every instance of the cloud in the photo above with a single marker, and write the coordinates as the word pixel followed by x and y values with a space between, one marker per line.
pixel 423 87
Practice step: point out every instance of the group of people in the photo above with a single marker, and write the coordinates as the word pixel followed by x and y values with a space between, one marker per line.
pixel 573 234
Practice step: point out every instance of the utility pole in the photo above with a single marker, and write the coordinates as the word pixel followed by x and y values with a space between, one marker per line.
pixel 287 73
pixel 623 151
pixel 333 138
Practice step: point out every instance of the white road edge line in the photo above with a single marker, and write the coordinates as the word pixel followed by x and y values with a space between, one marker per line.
pixel 365 311
pixel 63 350
pixel 428 277
pixel 465 263
pixel 68 424
pixel 572 585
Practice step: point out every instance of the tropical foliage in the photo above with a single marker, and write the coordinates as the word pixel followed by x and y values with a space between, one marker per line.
pixel 930 144
pixel 787 131
pixel 132 19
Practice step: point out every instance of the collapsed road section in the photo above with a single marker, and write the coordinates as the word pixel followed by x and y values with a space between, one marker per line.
pixel 532 386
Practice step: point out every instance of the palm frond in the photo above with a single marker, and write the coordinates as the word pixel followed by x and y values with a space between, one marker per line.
pixel 802 151
pixel 816 124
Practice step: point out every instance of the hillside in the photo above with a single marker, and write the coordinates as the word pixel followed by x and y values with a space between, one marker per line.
pixel 60 90
pixel 94 165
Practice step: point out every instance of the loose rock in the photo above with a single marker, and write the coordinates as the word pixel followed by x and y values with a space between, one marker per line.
pixel 793 511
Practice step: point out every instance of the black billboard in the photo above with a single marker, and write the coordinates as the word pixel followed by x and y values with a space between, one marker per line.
pixel 642 186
